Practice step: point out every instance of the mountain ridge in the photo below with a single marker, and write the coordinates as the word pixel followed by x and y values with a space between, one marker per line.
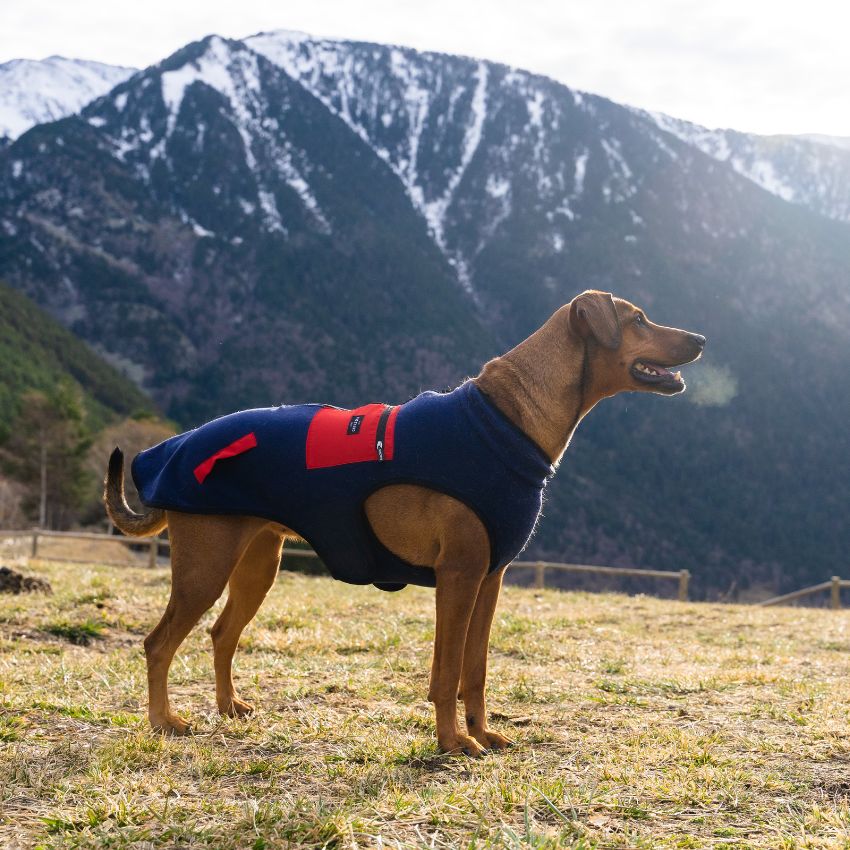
pixel 813 171
pixel 36 91
pixel 785 165
pixel 842 142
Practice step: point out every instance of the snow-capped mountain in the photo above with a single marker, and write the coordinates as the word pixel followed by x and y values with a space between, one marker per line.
pixel 290 219
pixel 468 142
pixel 812 170
pixel 32 92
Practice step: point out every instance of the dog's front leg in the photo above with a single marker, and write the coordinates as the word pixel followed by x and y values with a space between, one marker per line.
pixel 474 676
pixel 457 590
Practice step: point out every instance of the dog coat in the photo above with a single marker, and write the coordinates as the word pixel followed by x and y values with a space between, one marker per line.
pixel 311 468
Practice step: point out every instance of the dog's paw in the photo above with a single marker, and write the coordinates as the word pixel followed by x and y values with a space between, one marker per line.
pixel 462 744
pixel 235 708
pixel 171 724
pixel 492 740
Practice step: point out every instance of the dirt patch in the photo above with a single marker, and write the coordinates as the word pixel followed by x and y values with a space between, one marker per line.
pixel 12 581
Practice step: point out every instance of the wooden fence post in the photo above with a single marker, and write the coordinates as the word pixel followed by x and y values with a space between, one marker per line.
pixel 684 580
pixel 153 552
pixel 835 593
pixel 34 550
pixel 539 576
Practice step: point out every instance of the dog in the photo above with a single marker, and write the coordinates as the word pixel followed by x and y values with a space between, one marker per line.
pixel 524 408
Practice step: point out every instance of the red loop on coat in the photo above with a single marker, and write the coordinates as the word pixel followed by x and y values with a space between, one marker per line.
pixel 237 447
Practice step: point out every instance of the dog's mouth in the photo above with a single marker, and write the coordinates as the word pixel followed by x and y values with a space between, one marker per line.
pixel 652 373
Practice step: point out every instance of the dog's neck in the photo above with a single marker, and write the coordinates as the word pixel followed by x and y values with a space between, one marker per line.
pixel 544 385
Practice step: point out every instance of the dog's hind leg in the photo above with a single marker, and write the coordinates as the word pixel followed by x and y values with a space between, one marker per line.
pixel 250 582
pixel 204 551
pixel 474 676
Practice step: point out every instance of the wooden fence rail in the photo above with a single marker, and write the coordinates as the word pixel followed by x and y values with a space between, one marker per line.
pixel 540 568
pixel 155 544
pixel 36 535
pixel 834 586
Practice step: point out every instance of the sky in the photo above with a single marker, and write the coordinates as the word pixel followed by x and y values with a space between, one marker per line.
pixel 764 67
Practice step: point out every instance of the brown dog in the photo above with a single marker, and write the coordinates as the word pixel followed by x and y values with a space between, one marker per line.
pixel 592 348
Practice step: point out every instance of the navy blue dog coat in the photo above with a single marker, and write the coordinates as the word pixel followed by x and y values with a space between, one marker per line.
pixel 311 468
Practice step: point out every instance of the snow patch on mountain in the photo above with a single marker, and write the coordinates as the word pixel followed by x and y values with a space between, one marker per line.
pixel 497 187
pixel 580 171
pixel 435 210
pixel 235 75
pixel 415 101
pixel 620 184
pixel 34 92
pixel 233 71
pixel 809 171
pixel 309 61
pixel 392 119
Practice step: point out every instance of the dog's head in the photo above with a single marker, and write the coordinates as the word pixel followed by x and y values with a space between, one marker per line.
pixel 628 351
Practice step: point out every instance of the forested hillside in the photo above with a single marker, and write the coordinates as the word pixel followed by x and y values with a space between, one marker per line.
pixel 37 353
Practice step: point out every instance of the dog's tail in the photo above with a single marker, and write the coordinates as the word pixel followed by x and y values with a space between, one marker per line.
pixel 125 518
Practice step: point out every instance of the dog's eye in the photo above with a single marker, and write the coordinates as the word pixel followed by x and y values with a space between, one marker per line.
pixel 639 320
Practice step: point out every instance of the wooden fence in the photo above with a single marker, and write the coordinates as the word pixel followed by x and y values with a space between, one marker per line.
pixel 152 545
pixel 36 535
pixel 683 577
pixel 834 586
pixel 155 545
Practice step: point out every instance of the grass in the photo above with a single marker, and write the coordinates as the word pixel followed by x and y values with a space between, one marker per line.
pixel 641 723
pixel 81 634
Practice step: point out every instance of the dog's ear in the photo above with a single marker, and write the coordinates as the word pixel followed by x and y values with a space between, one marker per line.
pixel 593 314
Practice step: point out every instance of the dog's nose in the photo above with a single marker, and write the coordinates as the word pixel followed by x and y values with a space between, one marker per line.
pixel 699 339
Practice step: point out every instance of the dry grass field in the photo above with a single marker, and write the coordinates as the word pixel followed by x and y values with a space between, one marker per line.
pixel 640 723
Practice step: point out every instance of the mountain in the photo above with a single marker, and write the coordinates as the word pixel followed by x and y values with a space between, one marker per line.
pixel 842 142
pixel 295 219
pixel 215 221
pixel 33 92
pixel 813 170
pixel 37 353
